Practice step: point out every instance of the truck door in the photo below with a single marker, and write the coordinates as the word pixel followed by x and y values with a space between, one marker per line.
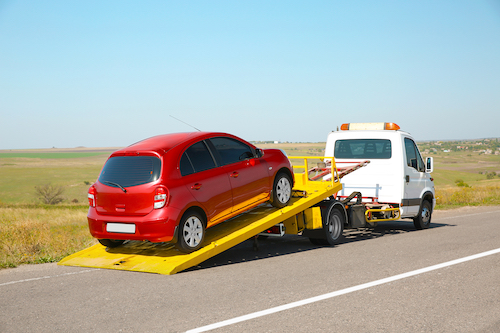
pixel 414 179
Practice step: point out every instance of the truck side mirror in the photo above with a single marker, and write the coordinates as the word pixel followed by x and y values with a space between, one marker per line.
pixel 429 165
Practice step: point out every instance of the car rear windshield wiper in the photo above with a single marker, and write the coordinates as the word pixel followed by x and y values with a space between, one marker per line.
pixel 116 184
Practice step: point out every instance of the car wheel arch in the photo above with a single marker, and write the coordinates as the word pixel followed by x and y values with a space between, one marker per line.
pixel 287 172
pixel 197 209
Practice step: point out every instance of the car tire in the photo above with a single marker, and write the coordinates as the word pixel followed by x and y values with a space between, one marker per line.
pixel 423 219
pixel 191 232
pixel 111 243
pixel 282 190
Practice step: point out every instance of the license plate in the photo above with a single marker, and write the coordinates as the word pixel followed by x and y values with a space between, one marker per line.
pixel 122 228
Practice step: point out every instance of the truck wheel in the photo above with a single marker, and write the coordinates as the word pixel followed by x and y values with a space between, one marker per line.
pixel 111 242
pixel 282 190
pixel 423 219
pixel 191 232
pixel 333 226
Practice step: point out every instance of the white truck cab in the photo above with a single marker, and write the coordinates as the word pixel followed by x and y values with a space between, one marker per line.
pixel 396 176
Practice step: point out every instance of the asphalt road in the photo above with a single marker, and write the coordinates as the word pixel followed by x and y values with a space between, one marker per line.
pixel 462 297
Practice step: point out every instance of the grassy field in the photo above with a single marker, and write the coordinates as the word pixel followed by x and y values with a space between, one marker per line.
pixel 75 172
pixel 41 234
pixel 35 233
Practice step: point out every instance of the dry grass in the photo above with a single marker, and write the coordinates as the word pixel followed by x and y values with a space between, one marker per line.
pixel 448 197
pixel 41 234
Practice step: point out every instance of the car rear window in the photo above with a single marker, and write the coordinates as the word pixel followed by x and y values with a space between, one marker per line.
pixel 363 148
pixel 130 171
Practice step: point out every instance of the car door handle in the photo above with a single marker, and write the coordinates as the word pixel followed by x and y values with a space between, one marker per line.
pixel 234 175
pixel 196 186
pixel 407 178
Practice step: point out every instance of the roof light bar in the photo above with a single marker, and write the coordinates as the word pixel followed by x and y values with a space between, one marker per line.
pixel 369 126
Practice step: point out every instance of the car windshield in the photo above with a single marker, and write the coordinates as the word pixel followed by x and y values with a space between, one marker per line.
pixel 363 148
pixel 127 171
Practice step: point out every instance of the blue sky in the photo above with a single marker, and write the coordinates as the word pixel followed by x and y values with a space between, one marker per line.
pixel 110 73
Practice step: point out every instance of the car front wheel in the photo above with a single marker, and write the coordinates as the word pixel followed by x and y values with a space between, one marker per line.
pixel 282 190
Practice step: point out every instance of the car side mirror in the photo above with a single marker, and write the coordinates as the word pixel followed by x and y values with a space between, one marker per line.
pixel 246 155
pixel 259 153
pixel 429 164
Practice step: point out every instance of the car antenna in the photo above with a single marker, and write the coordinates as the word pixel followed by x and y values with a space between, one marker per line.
pixel 186 123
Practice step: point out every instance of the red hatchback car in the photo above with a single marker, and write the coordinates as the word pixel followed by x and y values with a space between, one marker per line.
pixel 170 188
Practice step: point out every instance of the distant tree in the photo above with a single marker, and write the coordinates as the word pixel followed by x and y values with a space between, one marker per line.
pixel 49 194
pixel 461 183
pixel 491 175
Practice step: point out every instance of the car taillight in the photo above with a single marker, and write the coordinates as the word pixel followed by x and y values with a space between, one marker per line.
pixel 91 196
pixel 160 199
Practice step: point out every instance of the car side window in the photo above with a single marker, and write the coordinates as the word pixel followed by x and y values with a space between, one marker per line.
pixel 196 158
pixel 231 150
pixel 413 158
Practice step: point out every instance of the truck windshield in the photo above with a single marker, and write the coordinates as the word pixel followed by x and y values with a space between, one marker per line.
pixel 130 170
pixel 363 149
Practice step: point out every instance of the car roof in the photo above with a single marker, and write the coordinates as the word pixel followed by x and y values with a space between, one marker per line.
pixel 162 143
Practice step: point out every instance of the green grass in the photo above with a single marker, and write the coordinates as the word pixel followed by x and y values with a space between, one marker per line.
pixel 17 185
pixel 20 175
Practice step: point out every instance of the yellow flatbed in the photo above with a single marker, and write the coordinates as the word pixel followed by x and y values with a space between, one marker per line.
pixel 163 258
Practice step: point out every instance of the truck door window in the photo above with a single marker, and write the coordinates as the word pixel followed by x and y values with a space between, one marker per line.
pixel 363 149
pixel 413 158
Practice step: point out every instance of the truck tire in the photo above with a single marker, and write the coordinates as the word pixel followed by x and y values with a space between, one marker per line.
pixel 333 228
pixel 423 219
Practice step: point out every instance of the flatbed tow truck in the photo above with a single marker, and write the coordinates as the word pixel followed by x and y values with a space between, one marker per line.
pixel 313 212
pixel 396 184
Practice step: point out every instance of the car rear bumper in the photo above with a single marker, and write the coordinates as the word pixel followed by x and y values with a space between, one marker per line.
pixel 154 227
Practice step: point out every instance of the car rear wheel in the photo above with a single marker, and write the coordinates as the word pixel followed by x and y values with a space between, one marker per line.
pixel 111 242
pixel 192 232
pixel 282 190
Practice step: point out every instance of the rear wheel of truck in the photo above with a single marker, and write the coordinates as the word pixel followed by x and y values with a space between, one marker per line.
pixel 333 227
pixel 423 219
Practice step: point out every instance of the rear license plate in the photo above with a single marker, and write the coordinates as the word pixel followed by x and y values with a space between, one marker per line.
pixel 123 228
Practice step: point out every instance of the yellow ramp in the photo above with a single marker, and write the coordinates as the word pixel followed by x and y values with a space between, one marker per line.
pixel 166 259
